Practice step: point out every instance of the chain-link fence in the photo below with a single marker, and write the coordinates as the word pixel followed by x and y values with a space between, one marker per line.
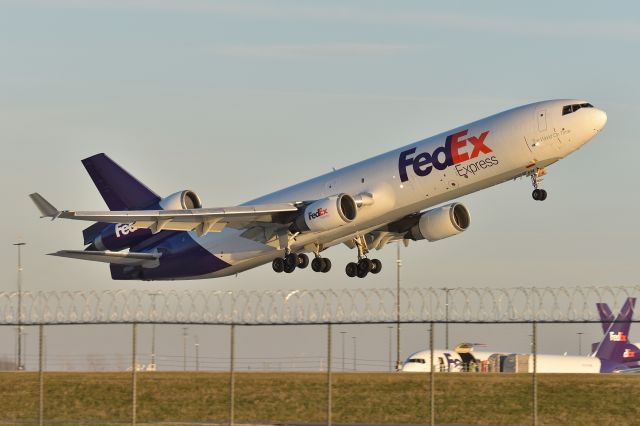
pixel 131 395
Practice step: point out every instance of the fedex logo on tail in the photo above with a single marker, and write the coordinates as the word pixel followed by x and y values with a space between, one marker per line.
pixel 454 152
pixel 628 353
pixel 451 362
pixel 617 337
pixel 124 229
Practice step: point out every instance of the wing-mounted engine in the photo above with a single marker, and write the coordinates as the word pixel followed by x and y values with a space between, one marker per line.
pixel 326 214
pixel 120 236
pixel 181 200
pixel 441 222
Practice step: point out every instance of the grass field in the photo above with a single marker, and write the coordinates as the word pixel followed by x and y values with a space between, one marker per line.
pixel 105 398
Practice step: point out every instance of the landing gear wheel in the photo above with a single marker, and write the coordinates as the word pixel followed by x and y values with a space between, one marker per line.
pixel 288 268
pixel 303 261
pixel 364 267
pixel 291 259
pixel 543 195
pixel 539 194
pixel 351 269
pixel 278 264
pixel 326 265
pixel 316 264
pixel 377 266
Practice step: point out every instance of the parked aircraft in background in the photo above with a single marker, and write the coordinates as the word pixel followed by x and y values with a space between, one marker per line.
pixel 612 354
pixel 366 205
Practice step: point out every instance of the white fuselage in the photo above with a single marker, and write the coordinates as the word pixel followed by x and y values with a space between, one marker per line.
pixel 405 181
pixel 450 361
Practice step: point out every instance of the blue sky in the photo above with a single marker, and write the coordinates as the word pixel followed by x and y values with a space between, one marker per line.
pixel 237 99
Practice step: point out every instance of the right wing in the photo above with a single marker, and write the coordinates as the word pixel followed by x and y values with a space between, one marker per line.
pixel 202 220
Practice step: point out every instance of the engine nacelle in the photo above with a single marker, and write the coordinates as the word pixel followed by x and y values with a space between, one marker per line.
pixel 120 236
pixel 326 214
pixel 181 200
pixel 442 222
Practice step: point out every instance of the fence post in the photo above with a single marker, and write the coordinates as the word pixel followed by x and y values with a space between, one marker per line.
pixel 329 396
pixel 232 377
pixel 134 384
pixel 432 417
pixel 534 350
pixel 40 376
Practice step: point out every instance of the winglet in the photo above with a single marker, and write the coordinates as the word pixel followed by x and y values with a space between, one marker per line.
pixel 45 207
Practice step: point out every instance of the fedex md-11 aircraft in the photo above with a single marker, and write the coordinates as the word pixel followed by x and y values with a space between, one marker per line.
pixel 613 354
pixel 398 195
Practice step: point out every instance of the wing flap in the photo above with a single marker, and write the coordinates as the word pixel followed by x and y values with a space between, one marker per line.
pixel 120 258
pixel 200 220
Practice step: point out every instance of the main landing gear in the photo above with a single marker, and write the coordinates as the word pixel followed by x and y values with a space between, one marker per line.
pixel 364 265
pixel 291 261
pixel 321 264
pixel 536 178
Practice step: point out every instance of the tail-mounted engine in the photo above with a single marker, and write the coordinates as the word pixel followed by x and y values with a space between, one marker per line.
pixel 120 236
pixel 326 214
pixel 181 200
pixel 441 222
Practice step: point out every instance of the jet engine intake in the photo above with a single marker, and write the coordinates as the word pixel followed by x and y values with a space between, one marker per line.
pixel 441 222
pixel 181 200
pixel 326 214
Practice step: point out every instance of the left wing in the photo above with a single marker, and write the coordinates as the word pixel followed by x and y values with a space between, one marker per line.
pixel 120 258
pixel 202 220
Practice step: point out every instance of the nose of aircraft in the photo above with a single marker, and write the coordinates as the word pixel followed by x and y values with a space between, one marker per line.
pixel 600 119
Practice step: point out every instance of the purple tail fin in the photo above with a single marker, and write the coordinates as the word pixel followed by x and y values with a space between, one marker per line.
pixel 118 188
pixel 606 316
pixel 615 345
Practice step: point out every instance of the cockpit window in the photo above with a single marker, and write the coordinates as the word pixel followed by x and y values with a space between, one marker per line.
pixel 568 109
pixel 417 360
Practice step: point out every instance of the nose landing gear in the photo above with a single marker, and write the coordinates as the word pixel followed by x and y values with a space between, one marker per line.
pixel 536 178
pixel 539 194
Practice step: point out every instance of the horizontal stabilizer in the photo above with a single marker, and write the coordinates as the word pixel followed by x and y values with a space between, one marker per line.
pixel 45 207
pixel 147 260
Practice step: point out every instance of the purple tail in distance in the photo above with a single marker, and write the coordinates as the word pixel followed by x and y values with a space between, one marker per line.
pixel 615 344
pixel 119 189
pixel 606 316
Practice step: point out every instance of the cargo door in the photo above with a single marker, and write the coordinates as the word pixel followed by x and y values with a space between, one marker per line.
pixel 541 115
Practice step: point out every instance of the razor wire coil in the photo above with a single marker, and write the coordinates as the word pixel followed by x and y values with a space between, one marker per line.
pixel 281 307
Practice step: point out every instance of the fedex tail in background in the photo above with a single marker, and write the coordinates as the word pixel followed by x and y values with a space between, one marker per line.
pixel 615 347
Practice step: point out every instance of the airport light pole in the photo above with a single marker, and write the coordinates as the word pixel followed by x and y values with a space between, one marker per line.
pixel 354 353
pixel 19 365
pixel 580 333
pixel 446 315
pixel 197 353
pixel 184 348
pixel 153 328
pixel 343 333
pixel 398 266
pixel 390 344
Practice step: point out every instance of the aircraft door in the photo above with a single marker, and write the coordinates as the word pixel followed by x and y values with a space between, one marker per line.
pixel 541 114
